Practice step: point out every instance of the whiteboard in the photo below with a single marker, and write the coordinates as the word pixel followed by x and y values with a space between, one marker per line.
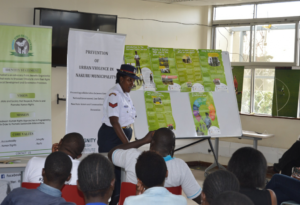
pixel 225 103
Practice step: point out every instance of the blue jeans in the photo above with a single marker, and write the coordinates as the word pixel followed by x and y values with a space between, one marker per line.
pixel 286 188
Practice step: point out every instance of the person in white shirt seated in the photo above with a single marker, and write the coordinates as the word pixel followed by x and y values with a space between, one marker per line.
pixel 162 142
pixel 72 144
pixel 151 172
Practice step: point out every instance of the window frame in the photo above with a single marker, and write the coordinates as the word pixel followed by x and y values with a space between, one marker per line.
pixel 255 22
pixel 252 68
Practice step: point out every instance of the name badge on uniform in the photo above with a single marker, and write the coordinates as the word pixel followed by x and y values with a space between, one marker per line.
pixel 126 106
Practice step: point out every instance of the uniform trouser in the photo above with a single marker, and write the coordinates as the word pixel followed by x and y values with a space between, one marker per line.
pixel 108 139
pixel 290 159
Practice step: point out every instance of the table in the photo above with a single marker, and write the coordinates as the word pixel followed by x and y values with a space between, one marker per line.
pixel 255 136
pixel 251 135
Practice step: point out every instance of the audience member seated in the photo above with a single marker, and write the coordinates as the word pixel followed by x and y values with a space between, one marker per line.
pixel 162 142
pixel 56 172
pixel 96 179
pixel 290 159
pixel 217 183
pixel 151 171
pixel 250 166
pixel 286 188
pixel 72 144
pixel 232 198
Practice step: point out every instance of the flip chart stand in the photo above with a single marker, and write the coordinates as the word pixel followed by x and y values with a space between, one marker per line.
pixel 215 153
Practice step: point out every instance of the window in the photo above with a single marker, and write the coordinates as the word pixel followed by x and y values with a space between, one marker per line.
pixel 260 100
pixel 282 9
pixel 235 40
pixel 234 12
pixel 258 34
pixel 268 45
pixel 246 93
pixel 263 90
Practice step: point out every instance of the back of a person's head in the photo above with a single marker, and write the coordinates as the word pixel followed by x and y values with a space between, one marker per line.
pixel 219 182
pixel 58 167
pixel 249 166
pixel 73 143
pixel 151 169
pixel 163 140
pixel 95 175
pixel 232 198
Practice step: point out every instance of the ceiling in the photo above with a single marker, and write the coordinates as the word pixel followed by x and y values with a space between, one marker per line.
pixel 206 2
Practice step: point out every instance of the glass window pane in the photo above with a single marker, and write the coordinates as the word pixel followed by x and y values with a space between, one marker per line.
pixel 235 40
pixel 234 12
pixel 246 91
pixel 263 90
pixel 282 9
pixel 274 43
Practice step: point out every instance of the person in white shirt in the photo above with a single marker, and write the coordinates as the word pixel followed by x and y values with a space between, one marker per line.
pixel 71 144
pixel 151 171
pixel 163 142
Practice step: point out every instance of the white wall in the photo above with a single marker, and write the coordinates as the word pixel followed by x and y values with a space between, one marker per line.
pixel 138 32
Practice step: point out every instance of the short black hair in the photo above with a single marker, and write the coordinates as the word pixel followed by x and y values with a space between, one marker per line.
pixel 58 167
pixel 164 139
pixel 73 143
pixel 151 169
pixel 232 198
pixel 95 174
pixel 118 77
pixel 249 166
pixel 219 182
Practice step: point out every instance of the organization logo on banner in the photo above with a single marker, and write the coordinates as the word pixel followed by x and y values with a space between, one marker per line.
pixel 2 176
pixel 21 46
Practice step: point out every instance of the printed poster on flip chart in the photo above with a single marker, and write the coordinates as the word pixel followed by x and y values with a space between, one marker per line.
pixel 212 68
pixel 204 113
pixel 189 72
pixel 138 56
pixel 25 90
pixel 164 69
pixel 159 110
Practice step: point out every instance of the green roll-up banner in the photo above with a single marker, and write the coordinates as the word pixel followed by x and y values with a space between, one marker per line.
pixel 25 90
pixel 238 78
pixel 286 92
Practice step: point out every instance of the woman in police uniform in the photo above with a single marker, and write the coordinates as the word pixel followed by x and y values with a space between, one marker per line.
pixel 118 114
pixel 118 111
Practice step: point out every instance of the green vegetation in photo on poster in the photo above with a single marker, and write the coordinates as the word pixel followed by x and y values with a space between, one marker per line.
pixel 188 68
pixel 159 110
pixel 286 92
pixel 138 56
pixel 164 68
pixel 212 69
pixel 204 113
pixel 238 78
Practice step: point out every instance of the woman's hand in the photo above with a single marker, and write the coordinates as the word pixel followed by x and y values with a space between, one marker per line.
pixel 139 188
pixel 55 147
pixel 148 137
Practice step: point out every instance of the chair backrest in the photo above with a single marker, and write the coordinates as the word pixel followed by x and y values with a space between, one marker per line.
pixel 129 189
pixel 69 192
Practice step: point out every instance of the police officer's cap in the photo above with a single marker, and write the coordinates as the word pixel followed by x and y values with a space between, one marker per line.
pixel 128 70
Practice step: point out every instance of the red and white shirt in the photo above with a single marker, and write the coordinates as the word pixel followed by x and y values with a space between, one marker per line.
pixel 118 104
